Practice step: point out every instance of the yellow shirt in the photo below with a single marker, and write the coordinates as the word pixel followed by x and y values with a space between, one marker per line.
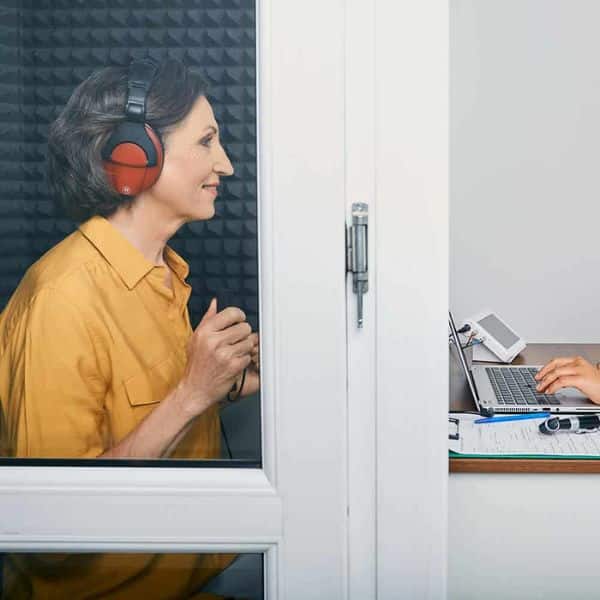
pixel 90 342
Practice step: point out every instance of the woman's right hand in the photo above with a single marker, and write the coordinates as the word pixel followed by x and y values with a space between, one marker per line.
pixel 570 371
pixel 218 351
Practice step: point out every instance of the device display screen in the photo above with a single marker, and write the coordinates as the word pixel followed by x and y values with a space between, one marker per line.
pixel 498 330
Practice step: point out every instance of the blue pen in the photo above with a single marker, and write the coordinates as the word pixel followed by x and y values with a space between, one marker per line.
pixel 534 415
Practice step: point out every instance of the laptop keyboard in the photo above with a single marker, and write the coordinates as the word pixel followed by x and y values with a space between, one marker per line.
pixel 517 387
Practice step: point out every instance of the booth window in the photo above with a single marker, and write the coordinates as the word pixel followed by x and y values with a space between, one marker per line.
pixel 48 48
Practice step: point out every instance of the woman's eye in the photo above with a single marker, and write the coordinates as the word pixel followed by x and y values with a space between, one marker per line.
pixel 206 141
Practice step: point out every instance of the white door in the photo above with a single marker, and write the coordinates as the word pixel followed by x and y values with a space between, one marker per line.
pixel 397 160
pixel 350 502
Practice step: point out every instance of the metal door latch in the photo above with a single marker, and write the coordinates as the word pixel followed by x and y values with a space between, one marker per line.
pixel 356 254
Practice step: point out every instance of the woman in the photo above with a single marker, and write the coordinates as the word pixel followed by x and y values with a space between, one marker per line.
pixel 97 355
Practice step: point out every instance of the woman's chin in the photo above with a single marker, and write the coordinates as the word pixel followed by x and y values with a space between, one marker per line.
pixel 203 214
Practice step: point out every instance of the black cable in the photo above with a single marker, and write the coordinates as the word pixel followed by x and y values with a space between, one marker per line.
pixel 475 342
pixel 234 388
pixel 225 437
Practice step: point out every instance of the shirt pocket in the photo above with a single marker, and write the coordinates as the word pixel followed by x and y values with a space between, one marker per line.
pixel 151 384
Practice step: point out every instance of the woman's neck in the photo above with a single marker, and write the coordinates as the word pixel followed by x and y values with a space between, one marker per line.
pixel 140 228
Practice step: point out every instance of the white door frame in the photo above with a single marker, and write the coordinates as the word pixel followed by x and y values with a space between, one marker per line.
pixel 350 502
pixel 397 161
pixel 412 296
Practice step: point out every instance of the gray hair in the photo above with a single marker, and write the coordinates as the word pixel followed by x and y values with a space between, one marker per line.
pixel 76 175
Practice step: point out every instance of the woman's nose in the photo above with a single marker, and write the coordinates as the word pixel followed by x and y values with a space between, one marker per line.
pixel 223 165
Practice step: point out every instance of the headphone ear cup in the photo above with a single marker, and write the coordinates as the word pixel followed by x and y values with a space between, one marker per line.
pixel 153 173
pixel 126 180
pixel 126 161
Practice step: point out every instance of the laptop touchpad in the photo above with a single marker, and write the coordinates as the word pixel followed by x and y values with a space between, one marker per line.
pixel 571 394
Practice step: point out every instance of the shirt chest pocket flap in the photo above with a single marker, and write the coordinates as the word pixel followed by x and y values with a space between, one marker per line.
pixel 151 384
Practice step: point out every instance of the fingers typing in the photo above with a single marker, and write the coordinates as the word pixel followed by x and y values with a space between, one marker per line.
pixel 553 364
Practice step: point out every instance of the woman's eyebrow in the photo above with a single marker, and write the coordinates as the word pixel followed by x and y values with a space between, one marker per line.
pixel 213 129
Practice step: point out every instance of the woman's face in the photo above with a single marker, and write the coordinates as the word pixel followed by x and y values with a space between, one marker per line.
pixel 194 163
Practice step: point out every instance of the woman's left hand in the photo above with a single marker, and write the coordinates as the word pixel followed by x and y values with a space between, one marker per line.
pixel 570 371
pixel 252 383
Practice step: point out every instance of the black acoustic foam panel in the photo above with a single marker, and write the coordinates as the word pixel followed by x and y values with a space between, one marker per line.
pixel 47 47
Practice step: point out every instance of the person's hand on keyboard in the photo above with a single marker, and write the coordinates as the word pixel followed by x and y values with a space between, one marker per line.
pixel 570 371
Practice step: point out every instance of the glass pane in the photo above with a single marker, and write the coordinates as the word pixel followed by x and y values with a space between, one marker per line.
pixel 94 338
pixel 127 575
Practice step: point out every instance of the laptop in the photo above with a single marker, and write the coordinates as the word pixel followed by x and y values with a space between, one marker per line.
pixel 511 389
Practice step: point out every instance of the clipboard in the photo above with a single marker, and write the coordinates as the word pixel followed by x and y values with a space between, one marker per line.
pixel 453 429
pixel 515 439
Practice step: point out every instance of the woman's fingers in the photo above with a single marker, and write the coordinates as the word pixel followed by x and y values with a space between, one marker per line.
pixel 572 371
pixel 553 364
pixel 235 333
pixel 255 356
pixel 562 382
pixel 244 347
pixel 558 372
pixel 225 319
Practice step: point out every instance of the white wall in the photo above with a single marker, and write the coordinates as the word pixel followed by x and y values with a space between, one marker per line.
pixel 525 164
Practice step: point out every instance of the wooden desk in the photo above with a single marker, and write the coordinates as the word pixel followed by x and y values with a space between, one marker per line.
pixel 523 529
pixel 460 399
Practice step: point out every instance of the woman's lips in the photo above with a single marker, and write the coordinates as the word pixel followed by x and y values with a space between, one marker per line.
pixel 213 189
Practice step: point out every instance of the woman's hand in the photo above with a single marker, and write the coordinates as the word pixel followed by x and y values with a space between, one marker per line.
pixel 252 383
pixel 570 371
pixel 218 351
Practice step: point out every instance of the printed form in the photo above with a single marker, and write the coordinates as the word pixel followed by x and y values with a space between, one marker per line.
pixel 517 438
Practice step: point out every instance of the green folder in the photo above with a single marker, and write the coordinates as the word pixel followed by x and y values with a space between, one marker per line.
pixel 528 456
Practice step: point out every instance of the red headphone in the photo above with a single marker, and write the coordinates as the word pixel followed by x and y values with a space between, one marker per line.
pixel 133 156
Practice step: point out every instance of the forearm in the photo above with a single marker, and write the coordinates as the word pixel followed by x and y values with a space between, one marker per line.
pixel 218 350
pixel 175 442
pixel 160 432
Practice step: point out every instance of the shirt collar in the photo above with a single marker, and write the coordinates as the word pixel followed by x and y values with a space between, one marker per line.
pixel 177 264
pixel 126 259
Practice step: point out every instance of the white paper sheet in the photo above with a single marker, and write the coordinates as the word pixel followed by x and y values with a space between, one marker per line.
pixel 519 437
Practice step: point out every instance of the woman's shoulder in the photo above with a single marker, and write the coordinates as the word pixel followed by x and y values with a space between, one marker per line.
pixel 71 269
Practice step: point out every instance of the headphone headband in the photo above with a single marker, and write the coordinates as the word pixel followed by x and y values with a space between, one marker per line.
pixel 141 75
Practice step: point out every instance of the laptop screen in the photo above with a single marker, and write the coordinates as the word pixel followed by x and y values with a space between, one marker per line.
pixel 463 360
